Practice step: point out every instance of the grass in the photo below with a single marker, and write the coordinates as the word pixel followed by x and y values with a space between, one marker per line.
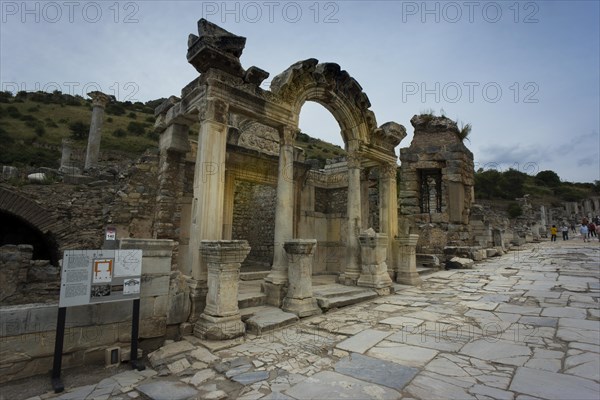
pixel 32 131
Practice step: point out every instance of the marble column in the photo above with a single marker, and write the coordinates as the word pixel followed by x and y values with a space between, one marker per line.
pixel 228 206
pixel 406 250
pixel 284 218
pixel 67 150
pixel 209 182
pixel 374 270
pixel 352 271
pixel 221 318
pixel 99 102
pixel 299 299
pixel 388 211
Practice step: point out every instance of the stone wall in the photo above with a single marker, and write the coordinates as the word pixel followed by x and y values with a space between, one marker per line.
pixel 27 331
pixel 436 156
pixel 23 280
pixel 254 220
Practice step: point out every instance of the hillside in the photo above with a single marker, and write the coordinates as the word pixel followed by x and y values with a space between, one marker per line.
pixel 32 126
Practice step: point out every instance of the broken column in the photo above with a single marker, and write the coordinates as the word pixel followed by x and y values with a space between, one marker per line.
pixel 407 260
pixel 373 252
pixel 221 318
pixel 67 149
pixel 99 102
pixel 299 299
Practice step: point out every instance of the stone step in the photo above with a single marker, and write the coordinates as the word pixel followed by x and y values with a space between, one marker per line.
pixel 426 271
pixel 252 299
pixel 334 296
pixel 253 275
pixel 251 311
pixel 268 319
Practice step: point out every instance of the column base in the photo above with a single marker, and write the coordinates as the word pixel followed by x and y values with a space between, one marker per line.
pixel 301 307
pixel 409 278
pixel 219 328
pixel 275 293
pixel 277 277
pixel 348 279
pixel 198 291
pixel 375 276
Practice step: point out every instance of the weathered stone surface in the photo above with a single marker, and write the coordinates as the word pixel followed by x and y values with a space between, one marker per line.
pixel 376 371
pixel 411 356
pixel 363 341
pixel 168 352
pixel 459 262
pixel 498 351
pixel 249 378
pixel 550 385
pixel 270 319
pixel 332 385
pixel 167 390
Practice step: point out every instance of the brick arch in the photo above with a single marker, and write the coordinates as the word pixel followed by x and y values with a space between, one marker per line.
pixel 34 215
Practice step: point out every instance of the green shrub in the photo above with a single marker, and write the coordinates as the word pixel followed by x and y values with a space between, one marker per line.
pixel 119 133
pixel 40 130
pixel 79 130
pixel 13 112
pixel 136 128
pixel 514 210
pixel 132 115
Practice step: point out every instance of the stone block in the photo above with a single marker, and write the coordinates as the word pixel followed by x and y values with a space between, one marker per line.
pixel 156 265
pixel 153 327
pixel 154 285
pixel 109 313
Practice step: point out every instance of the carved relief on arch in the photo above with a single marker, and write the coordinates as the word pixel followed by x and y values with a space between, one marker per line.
pixel 337 91
pixel 256 136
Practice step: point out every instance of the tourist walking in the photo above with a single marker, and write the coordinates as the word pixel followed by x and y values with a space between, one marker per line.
pixel 591 229
pixel 598 231
pixel 573 228
pixel 553 233
pixel 565 231
pixel 584 232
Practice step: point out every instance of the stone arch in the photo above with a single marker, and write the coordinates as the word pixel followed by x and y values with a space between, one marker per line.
pixel 333 88
pixel 35 217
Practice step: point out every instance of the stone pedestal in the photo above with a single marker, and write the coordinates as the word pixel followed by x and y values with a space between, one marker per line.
pixel 373 252
pixel 299 299
pixel 406 249
pixel 221 318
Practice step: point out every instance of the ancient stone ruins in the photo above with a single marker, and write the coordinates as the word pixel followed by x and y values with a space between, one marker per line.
pixel 240 233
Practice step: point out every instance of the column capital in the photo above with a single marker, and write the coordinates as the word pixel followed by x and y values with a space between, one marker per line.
pixel 213 109
pixel 388 170
pixel 100 99
pixel 354 159
pixel 288 135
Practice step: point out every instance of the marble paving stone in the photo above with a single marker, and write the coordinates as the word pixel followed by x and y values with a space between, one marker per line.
pixel 539 321
pixel 363 341
pixel 566 312
pixel 411 356
pixel 388 308
pixel 523 310
pixel 167 390
pixel 428 386
pixel 497 351
pixel 376 371
pixel 249 378
pixel 402 321
pixel 492 393
pixel 550 385
pixel 332 385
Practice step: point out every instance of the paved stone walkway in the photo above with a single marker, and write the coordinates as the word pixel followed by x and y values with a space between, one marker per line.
pixel 521 326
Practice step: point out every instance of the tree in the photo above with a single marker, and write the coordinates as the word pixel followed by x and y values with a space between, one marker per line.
pixel 79 130
pixel 511 184
pixel 547 178
pixel 486 184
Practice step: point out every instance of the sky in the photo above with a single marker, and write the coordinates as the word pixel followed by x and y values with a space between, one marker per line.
pixel 524 74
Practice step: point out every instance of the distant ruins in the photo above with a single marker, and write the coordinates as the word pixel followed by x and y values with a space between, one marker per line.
pixel 233 220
